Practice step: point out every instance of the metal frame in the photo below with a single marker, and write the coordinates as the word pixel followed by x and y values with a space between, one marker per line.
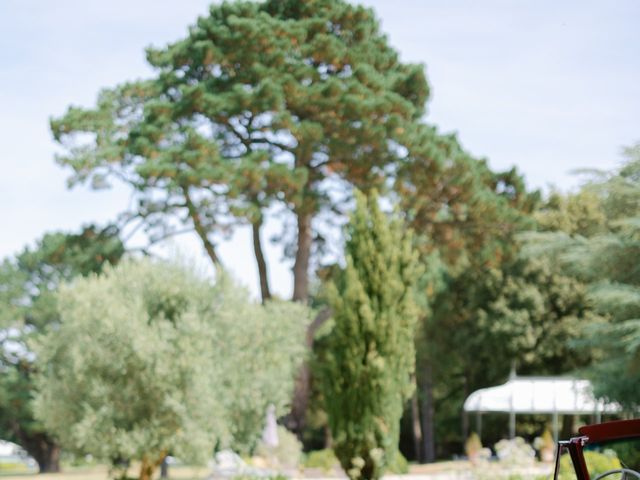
pixel 602 432
pixel 574 446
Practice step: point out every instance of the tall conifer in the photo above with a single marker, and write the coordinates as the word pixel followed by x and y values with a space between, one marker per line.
pixel 370 355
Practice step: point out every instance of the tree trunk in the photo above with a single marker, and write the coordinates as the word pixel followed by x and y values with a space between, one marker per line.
pixel 146 469
pixel 567 429
pixel 328 438
pixel 301 393
pixel 428 434
pixel 416 427
pixel 49 460
pixel 44 451
pixel 302 388
pixel 260 260
pixel 148 466
pixel 303 255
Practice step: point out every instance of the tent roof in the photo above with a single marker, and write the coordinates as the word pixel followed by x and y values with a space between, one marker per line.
pixel 539 395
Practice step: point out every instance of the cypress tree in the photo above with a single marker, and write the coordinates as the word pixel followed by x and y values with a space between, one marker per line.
pixel 370 351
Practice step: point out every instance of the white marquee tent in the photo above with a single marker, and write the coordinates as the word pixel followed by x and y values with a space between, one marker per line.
pixel 538 395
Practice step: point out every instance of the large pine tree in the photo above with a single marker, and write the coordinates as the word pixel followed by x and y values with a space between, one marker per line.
pixel 370 350
pixel 262 104
pixel 263 107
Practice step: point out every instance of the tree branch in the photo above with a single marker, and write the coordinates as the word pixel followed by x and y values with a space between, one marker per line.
pixel 200 229
pixel 319 320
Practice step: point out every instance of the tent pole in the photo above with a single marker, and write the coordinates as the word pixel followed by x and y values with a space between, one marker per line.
pixel 555 426
pixel 512 424
pixel 512 411
pixel 479 424
pixel 465 424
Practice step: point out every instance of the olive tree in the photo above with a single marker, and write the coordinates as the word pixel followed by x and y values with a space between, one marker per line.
pixel 150 358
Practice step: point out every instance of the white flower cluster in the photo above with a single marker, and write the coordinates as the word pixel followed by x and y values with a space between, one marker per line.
pixel 515 451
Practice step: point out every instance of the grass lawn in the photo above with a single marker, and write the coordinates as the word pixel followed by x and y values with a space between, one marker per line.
pixel 445 469
pixel 100 473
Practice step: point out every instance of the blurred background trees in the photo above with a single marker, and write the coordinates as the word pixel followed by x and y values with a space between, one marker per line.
pixel 601 248
pixel 275 108
pixel 28 306
pixel 278 111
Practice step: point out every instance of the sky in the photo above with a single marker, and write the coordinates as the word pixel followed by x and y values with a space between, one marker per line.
pixel 546 86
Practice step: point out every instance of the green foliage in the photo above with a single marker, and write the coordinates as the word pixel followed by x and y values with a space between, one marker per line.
pixel 459 207
pixel 605 261
pixel 526 310
pixel 14 466
pixel 515 476
pixel 287 454
pixel 597 463
pixel 398 464
pixel 628 452
pixel 576 214
pixel 126 374
pixel 465 217
pixel 259 351
pixel 28 283
pixel 324 460
pixel 150 358
pixel 250 477
pixel 531 311
pixel 370 356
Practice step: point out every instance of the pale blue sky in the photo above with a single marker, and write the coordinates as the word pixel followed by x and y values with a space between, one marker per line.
pixel 545 85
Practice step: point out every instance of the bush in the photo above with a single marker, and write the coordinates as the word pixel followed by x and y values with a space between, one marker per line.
pixel 597 463
pixel 16 465
pixel 544 441
pixel 515 451
pixel 288 453
pixel 473 445
pixel 256 477
pixel 546 446
pixel 324 460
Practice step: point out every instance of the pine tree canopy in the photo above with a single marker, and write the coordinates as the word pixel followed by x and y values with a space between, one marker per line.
pixel 262 104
